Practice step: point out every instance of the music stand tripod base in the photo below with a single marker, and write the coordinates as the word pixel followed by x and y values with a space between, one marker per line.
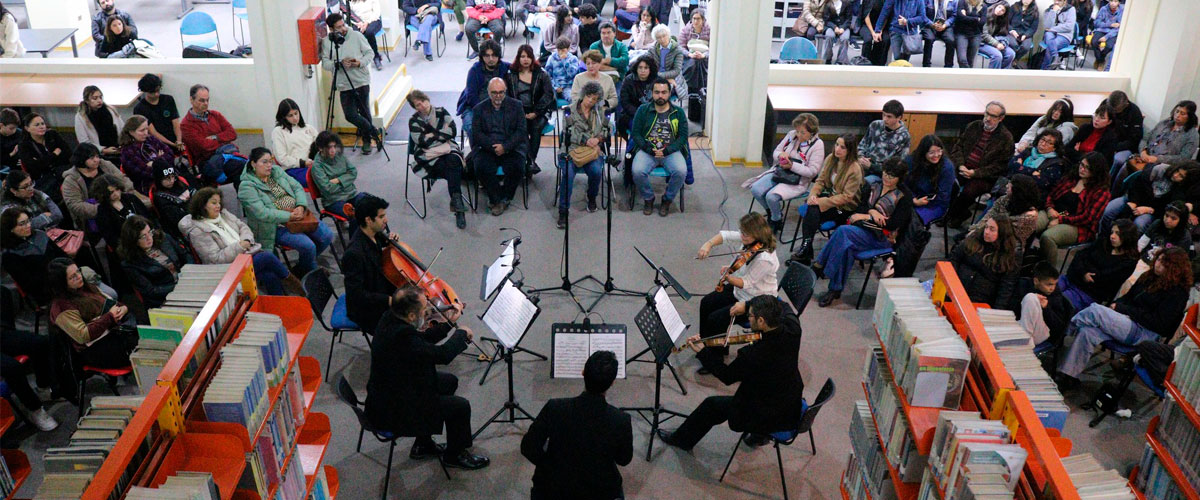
pixel 515 411
pixel 651 326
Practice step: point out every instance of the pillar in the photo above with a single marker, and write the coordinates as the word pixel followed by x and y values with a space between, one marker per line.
pixel 737 79
pixel 1160 56
pixel 278 70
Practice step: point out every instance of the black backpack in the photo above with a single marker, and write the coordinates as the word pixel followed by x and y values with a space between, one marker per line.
pixel 909 247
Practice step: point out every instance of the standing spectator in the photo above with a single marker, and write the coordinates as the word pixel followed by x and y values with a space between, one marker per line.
pixel 115 206
pixel 10 37
pixel 480 13
pixel 1059 22
pixel 271 199
pixel 615 53
pixel 424 15
pixel 987 262
pixel 593 59
pixel 171 195
pixel 160 109
pixel 204 130
pixel 435 150
pixel 1044 162
pixel 218 237
pixel 589 26
pixel 1097 272
pixel 801 153
pixel 670 57
pixel 885 138
pixel 118 40
pixel 1060 117
pixel 995 45
pixel 334 176
pixel 150 260
pixel 1099 135
pixel 100 327
pixel 352 77
pixel 1074 207
pixel 875 44
pixel 366 17
pixel 20 193
pixel 587 129
pixel 488 68
pixel 43 154
pixel 97 123
pixel 941 27
pixel 981 154
pixel 833 196
pixel 626 12
pixel 641 34
pixel 968 30
pixel 138 149
pixel 1023 25
pixel 839 15
pixel 531 86
pixel 292 137
pixel 87 166
pixel 907 17
pixel 562 67
pixel 10 138
pixel 930 178
pixel 659 138
pixel 1129 122
pixel 1104 37
pixel 564 26
pixel 635 91
pixel 109 9
pixel 499 141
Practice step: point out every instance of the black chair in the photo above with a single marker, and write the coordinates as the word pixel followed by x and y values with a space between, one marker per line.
pixel 787 437
pixel 469 173
pixel 797 283
pixel 346 394
pixel 81 372
pixel 319 290
pixel 427 186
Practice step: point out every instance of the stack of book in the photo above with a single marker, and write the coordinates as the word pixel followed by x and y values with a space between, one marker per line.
pixel 69 469
pixel 1093 481
pixel 1186 377
pixel 155 347
pixel 901 448
pixel 972 458
pixel 320 489
pixel 1015 347
pixel 196 285
pixel 867 469
pixel 928 357
pixel 183 485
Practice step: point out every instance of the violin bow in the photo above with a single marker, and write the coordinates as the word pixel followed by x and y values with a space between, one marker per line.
pixel 483 355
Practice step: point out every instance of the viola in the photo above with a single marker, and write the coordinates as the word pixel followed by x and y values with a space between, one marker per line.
pixel 722 341
pixel 748 252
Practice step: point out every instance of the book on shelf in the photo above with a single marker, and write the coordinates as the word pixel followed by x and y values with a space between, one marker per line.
pixel 1186 376
pixel 7 482
pixel 1180 438
pixel 320 489
pixel 1093 482
pixel 69 469
pixel 63 486
pixel 1014 346
pixel 183 485
pixel 928 357
pixel 867 459
pixel 901 449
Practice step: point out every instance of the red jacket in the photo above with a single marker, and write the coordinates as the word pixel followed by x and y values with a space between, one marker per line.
pixel 196 131
pixel 1091 206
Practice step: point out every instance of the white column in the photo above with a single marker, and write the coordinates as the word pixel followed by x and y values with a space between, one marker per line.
pixel 737 79
pixel 1164 68
pixel 278 70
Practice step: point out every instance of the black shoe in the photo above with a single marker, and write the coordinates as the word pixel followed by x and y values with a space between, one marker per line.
pixel 460 220
pixel 428 57
pixel 1066 382
pixel 423 451
pixel 592 205
pixel 458 37
pixel 466 460
pixel 533 170
pixel 417 45
pixel 827 298
pixel 756 440
pixel 703 371
pixel 777 226
pixel 819 271
pixel 669 438
pixel 562 220
pixel 648 206
pixel 804 254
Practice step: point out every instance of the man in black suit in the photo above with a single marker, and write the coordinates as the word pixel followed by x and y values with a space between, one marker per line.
pixel 768 399
pixel 405 392
pixel 577 443
pixel 368 291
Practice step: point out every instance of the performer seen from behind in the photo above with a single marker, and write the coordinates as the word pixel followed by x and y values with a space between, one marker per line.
pixel 752 273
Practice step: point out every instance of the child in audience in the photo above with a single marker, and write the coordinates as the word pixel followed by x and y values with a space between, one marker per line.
pixel 562 67
pixel 1045 312
pixel 1097 271
pixel 886 138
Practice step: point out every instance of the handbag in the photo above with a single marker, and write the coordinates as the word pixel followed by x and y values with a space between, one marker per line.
pixel 784 176
pixel 913 43
pixel 583 154
pixel 68 241
pixel 306 225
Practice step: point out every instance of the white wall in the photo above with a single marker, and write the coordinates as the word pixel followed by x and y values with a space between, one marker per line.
pixel 1167 69
pixel 61 14
pixel 737 78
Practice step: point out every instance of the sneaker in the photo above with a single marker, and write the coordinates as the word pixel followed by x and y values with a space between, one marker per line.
pixel 378 64
pixel 43 421
pixel 428 57
pixel 460 220
pixel 417 45
pixel 648 207
pixel 664 209
pixel 466 460
pixel 562 220
pixel 592 205
pixel 669 438
pixel 428 450
pixel 472 55
pixel 366 147
pixel 458 37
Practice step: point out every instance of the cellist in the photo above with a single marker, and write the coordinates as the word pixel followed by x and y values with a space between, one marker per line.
pixel 752 273
pixel 368 291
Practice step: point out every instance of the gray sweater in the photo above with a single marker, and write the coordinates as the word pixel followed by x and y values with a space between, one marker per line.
pixel 355 46
pixel 1171 146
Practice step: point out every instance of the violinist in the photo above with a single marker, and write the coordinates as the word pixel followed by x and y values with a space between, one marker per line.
pixel 768 399
pixel 752 273
pixel 368 291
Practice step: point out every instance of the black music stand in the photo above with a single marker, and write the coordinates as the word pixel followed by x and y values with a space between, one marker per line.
pixel 655 333
pixel 659 274
pixel 600 337
pixel 509 336
pixel 501 270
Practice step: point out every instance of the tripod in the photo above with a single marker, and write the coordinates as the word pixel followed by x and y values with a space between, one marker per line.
pixel 650 324
pixel 338 68
pixel 511 405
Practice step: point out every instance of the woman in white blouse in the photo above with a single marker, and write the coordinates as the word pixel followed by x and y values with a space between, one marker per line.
pixel 756 277
pixel 291 138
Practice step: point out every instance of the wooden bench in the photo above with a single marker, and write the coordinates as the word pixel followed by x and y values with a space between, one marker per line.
pixel 65 91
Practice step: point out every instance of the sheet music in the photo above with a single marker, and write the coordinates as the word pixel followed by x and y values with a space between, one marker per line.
pixel 668 314
pixel 571 351
pixel 614 342
pixel 500 269
pixel 509 315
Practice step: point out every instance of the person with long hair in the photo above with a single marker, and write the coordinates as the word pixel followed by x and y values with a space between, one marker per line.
pixel 1024 23
pixel 994 44
pixel 1172 140
pixel 102 331
pixel 800 152
pixel 640 37
pixel 19 192
pixel 833 196
pixel 1147 195
pixel 1096 272
pixel 564 26
pixel 139 148
pixel 1171 231
pixel 118 40
pixel 292 137
pixel 1073 207
pixel 531 85
pixel 334 175
pixel 116 205
pixel 218 237
pixel 43 153
pixel 96 123
pixel 968 31
pixel 150 260
pixel 587 129
pixel 1019 204
pixel 87 166
pixel 1152 310
pixel 1101 134
pixel 271 199
pixel 1044 162
pixel 756 277
pixel 879 222
pixel 635 91
pixel 987 262
pixel 930 178
pixel 1060 117
pixel 435 150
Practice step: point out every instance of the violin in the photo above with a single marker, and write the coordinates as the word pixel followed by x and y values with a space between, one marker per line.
pixel 748 252
pixel 722 341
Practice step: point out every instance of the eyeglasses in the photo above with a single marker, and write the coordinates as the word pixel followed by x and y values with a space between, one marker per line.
pixel 994 117
pixel 24 187
pixel 495 92
pixel 1046 140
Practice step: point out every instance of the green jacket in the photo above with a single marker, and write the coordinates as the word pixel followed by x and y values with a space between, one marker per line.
pixel 619 56
pixel 259 207
pixel 643 121
pixel 325 170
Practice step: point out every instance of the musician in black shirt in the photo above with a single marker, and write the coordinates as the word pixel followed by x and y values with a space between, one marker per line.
pixel 368 291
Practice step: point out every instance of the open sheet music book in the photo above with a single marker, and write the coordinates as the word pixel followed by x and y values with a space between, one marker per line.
pixel 510 315
pixel 500 269
pixel 573 344
pixel 669 315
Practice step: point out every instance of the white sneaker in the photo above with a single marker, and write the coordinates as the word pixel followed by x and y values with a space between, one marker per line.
pixel 43 420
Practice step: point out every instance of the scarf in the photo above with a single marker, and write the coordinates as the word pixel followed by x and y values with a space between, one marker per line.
pixel 1035 159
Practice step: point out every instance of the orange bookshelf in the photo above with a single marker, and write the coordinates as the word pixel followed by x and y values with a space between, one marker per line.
pixel 18 466
pixel 7 416
pixel 331 477
pixel 904 491
pixel 921 419
pixel 842 487
pixel 313 441
pixel 222 454
pixel 1133 487
pixel 1168 462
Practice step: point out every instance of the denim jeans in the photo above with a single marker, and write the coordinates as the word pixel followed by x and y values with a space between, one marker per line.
pixel 1094 325
pixel 897 41
pixel 947 38
pixel 357 111
pixel 468 118
pixel 837 256
pixel 996 58
pixel 270 273
pixel 473 26
pixel 843 46
pixel 967 47
pixel 338 207
pixel 425 32
pixel 310 245
pixel 1117 209
pixel 674 163
pixel 1119 159
pixel 762 191
pixel 1054 42
pixel 595 173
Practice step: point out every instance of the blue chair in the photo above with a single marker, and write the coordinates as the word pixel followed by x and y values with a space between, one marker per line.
pixel 871 257
pixel 198 28
pixel 797 48
pixel 439 33
pixel 1071 249
pixel 1067 52
pixel 319 290
pixel 808 414
pixel 532 33
pixel 826 227
pixel 797 283
pixel 240 15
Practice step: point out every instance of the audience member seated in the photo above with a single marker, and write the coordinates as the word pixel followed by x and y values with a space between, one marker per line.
pixel 1073 207
pixel 901 17
pixel 20 193
pixel 171 195
pixel 1104 36
pixel 670 57
pixel 150 260
pixel 460 14
pixel 659 139
pixel 1171 231
pixel 435 149
pixel 563 27
pixel 1058 21
pixel 484 13
pixel 995 40
pixel 77 184
pixel 204 130
pixel 987 263
pixel 39 350
pixel 354 87
pixel 1096 272
pixel 27 251
pixel 487 68
pixel 1152 310
pixel 1023 24
pixel 981 154
pixel 1044 162
pixel 641 34
pixel 1083 15
pixel 799 157
pixel 43 154
pixel 218 237
pixel 98 124
pixel 139 149
pixel 292 137
pixel 562 66
pixel 694 36
pixel 537 13
pixel 587 129
pixel 365 16
pixel 10 35
pixel 1129 122
pixel 940 28
pixel 615 53
pixel 1060 117
pixel 107 9
pixel 811 22
pixel 116 205
pixel 885 138
pixel 334 175
pixel 589 26
pixel 118 40
pixel 593 60
pixel 839 15
pixel 272 200
pixel 869 28
pixel 1019 204
pixel 1148 195
pixel 10 138
pixel 1045 312
pixel 1100 135
pixel 102 331
pixel 424 15
pixel 833 197
pixel 879 222
pixel 969 22
pixel 160 109
pixel 930 178
pixel 499 142
pixel 529 84
pixel 1172 140
pixel 626 12
pixel 635 91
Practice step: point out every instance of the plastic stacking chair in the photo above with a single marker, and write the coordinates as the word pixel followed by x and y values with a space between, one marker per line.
pixel 787 206
pixel 83 372
pixel 826 227
pixel 1067 53
pixel 439 34
pixel 240 15
pixel 198 28
pixel 786 437
pixel 797 283
pixel 797 48
pixel 871 257
pixel 319 290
